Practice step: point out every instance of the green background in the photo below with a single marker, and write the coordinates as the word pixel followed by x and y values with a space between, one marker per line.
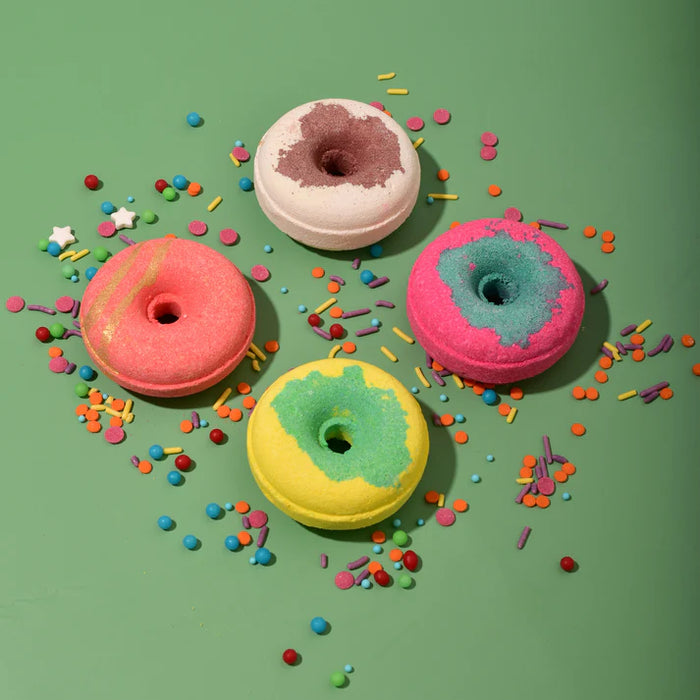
pixel 596 108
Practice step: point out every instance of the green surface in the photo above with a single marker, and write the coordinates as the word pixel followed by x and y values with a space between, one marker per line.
pixel 596 108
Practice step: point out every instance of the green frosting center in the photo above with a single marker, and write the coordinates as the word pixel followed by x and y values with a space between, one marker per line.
pixel 347 428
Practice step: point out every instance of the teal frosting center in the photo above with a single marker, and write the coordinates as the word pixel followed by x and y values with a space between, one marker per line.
pixel 347 428
pixel 508 286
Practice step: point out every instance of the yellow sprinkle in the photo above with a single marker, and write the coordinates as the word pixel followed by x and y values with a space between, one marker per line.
pixel 616 355
pixel 172 450
pixel 235 160
pixel 214 203
pixel 250 354
pixel 643 326
pixel 438 195
pixel 525 481
pixel 66 254
pixel 261 355
pixel 128 418
pixel 127 409
pixel 109 400
pixel 389 354
pixel 421 376
pixel 511 415
pixel 224 395
pixel 441 500
pixel 609 346
pixel 98 406
pixel 80 254
pixel 325 305
pixel 256 365
pixel 458 381
pixel 397 91
pixel 626 395
pixel 386 76
pixel 418 142
pixel 112 412
pixel 403 336
pixel 334 351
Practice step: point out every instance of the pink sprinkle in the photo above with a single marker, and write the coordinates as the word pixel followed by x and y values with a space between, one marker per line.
pixel 489 139
pixel 415 123
pixel 241 154
pixel 14 304
pixel 228 236
pixel 378 105
pixel 58 364
pixel 114 435
pixel 106 229
pixel 488 153
pixel 441 116
pixel 445 517
pixel 197 228
pixel 324 561
pixel 260 273
pixel 64 304
pixel 258 518
pixel 513 214
pixel 546 485
pixel 344 580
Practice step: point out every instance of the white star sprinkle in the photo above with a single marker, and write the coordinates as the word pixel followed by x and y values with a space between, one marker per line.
pixel 62 236
pixel 123 218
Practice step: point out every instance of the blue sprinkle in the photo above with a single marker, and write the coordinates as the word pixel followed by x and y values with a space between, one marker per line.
pixel 443 397
pixel 190 541
pixel 238 143
pixel 429 200
pixel 228 506
pixel 268 248
pixel 174 478
pixel 301 308
pixel 156 452
pixel 180 182
pixel 460 418
pixel 377 549
pixel 348 668
pixel 130 199
pixel 397 522
pixel 365 583
pixel 164 522
pixel 375 322
pixel 90 272
pixel 263 556
pixel 53 249
pixel 319 625
pixel 366 276
pixel 232 543
pixel 213 510
pixel 398 566
pixel 246 184
pixel 566 496
pixel 193 119
pixel 82 419
pixel 107 207
pixel 104 396
pixel 489 397
pixel 252 560
pixel 87 373
pixel 420 522
pixel 476 478
pixel 203 423
pixel 414 389
pixel 284 290
pixel 376 250
pixel 74 278
pixel 489 458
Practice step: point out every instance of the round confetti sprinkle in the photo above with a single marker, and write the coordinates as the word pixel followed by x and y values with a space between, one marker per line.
pixel 488 138
pixel 378 105
pixel 460 505
pixel 106 229
pixel 64 304
pixel 145 467
pixel 488 153
pixel 258 518
pixel 461 437
pixel 58 364
pixel 114 435
pixel 241 154
pixel 494 190
pixel 260 273
pixel 445 517
pixel 441 116
pixel 289 656
pixel 578 429
pixel 687 341
pixel 197 228
pixel 513 214
pixel 228 236
pixel 14 304
pixel 415 123
pixel 344 580
pixel 443 175
pixel 546 486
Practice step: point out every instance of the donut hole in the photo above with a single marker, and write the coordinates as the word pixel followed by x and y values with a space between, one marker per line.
pixel 336 161
pixel 164 310
pixel 497 288
pixel 335 436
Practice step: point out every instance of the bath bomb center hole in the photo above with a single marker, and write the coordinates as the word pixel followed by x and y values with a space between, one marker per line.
pixel 497 289
pixel 164 311
pixel 337 162
pixel 337 439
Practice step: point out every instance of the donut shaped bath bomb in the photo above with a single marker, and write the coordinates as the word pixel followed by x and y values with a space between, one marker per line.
pixel 167 317
pixel 337 444
pixel 495 300
pixel 336 174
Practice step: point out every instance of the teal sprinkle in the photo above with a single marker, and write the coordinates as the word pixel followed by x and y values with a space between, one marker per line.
pixel 340 423
pixel 493 288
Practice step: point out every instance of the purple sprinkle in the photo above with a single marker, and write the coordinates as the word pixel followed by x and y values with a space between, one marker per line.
pixel 322 333
pixel 335 278
pixel 523 491
pixel 657 349
pixel 668 343
pixel 560 459
pixel 428 360
pixel 533 489
pixel 246 522
pixel 444 373
pixel 356 265
pixel 135 461
pixel 384 302
pixel 523 536
pixel 599 287
pixel 76 308
pixel 652 389
pixel 378 282
pixel 438 378
pixel 547 448
pixel 358 563
pixel 356 312
pixel 70 368
pixel 40 307
pixel 621 348
pixel 361 576
pixel 262 535
pixel 76 323
pixel 607 352
pixel 324 561
pixel 634 346
pixel 629 329
pixel 195 419
pixel 69 333
pixel 126 239
pixel 650 397
pixel 365 331
pixel 552 224
pixel 436 420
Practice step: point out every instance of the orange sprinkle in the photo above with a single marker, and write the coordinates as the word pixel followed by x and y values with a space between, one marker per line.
pixel 95 397
pixel 568 468
pixel 516 393
pixel 592 393
pixel 118 404
pixel 396 555
pixel 468 382
pixel 666 393
pixel 116 422
pixel 460 505
pixel 248 402
pixel 145 467
pixel 374 566
pixel 534 224
pixel 589 231
pixel 169 235
pixel 242 507
pixel 193 189
pixel 461 437
pixel 223 411
pixel 443 175
pixel 318 272
pixel 93 426
pixel 92 414
pixel 529 500
pixel 503 409
pixel 478 388
pixel 601 377
pixel 272 346
pixel 696 369
pixel 378 537
pixel 186 426
pixel 55 351
pixel 578 392
pixel 637 339
pixel 333 287
pixel 607 236
pixel 525 473
pixel 494 190
pixel 608 247
pixel 542 501
pixel 244 538
pixel 638 355
pixel 335 312
pixel 349 347
pixel 454 223
pixel 437 366
pixel 578 429
pixel 243 388
pixel 560 476
pixel 387 112
pixel 529 461
pixel 687 340
pixel 447 419
pixel 432 497
pixel 235 415
pixel 605 362
pixel 81 409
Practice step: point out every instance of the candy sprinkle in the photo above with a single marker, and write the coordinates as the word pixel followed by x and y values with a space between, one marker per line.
pixel 386 76
pixel 389 354
pixel 403 335
pixel 397 91
pixel 214 203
